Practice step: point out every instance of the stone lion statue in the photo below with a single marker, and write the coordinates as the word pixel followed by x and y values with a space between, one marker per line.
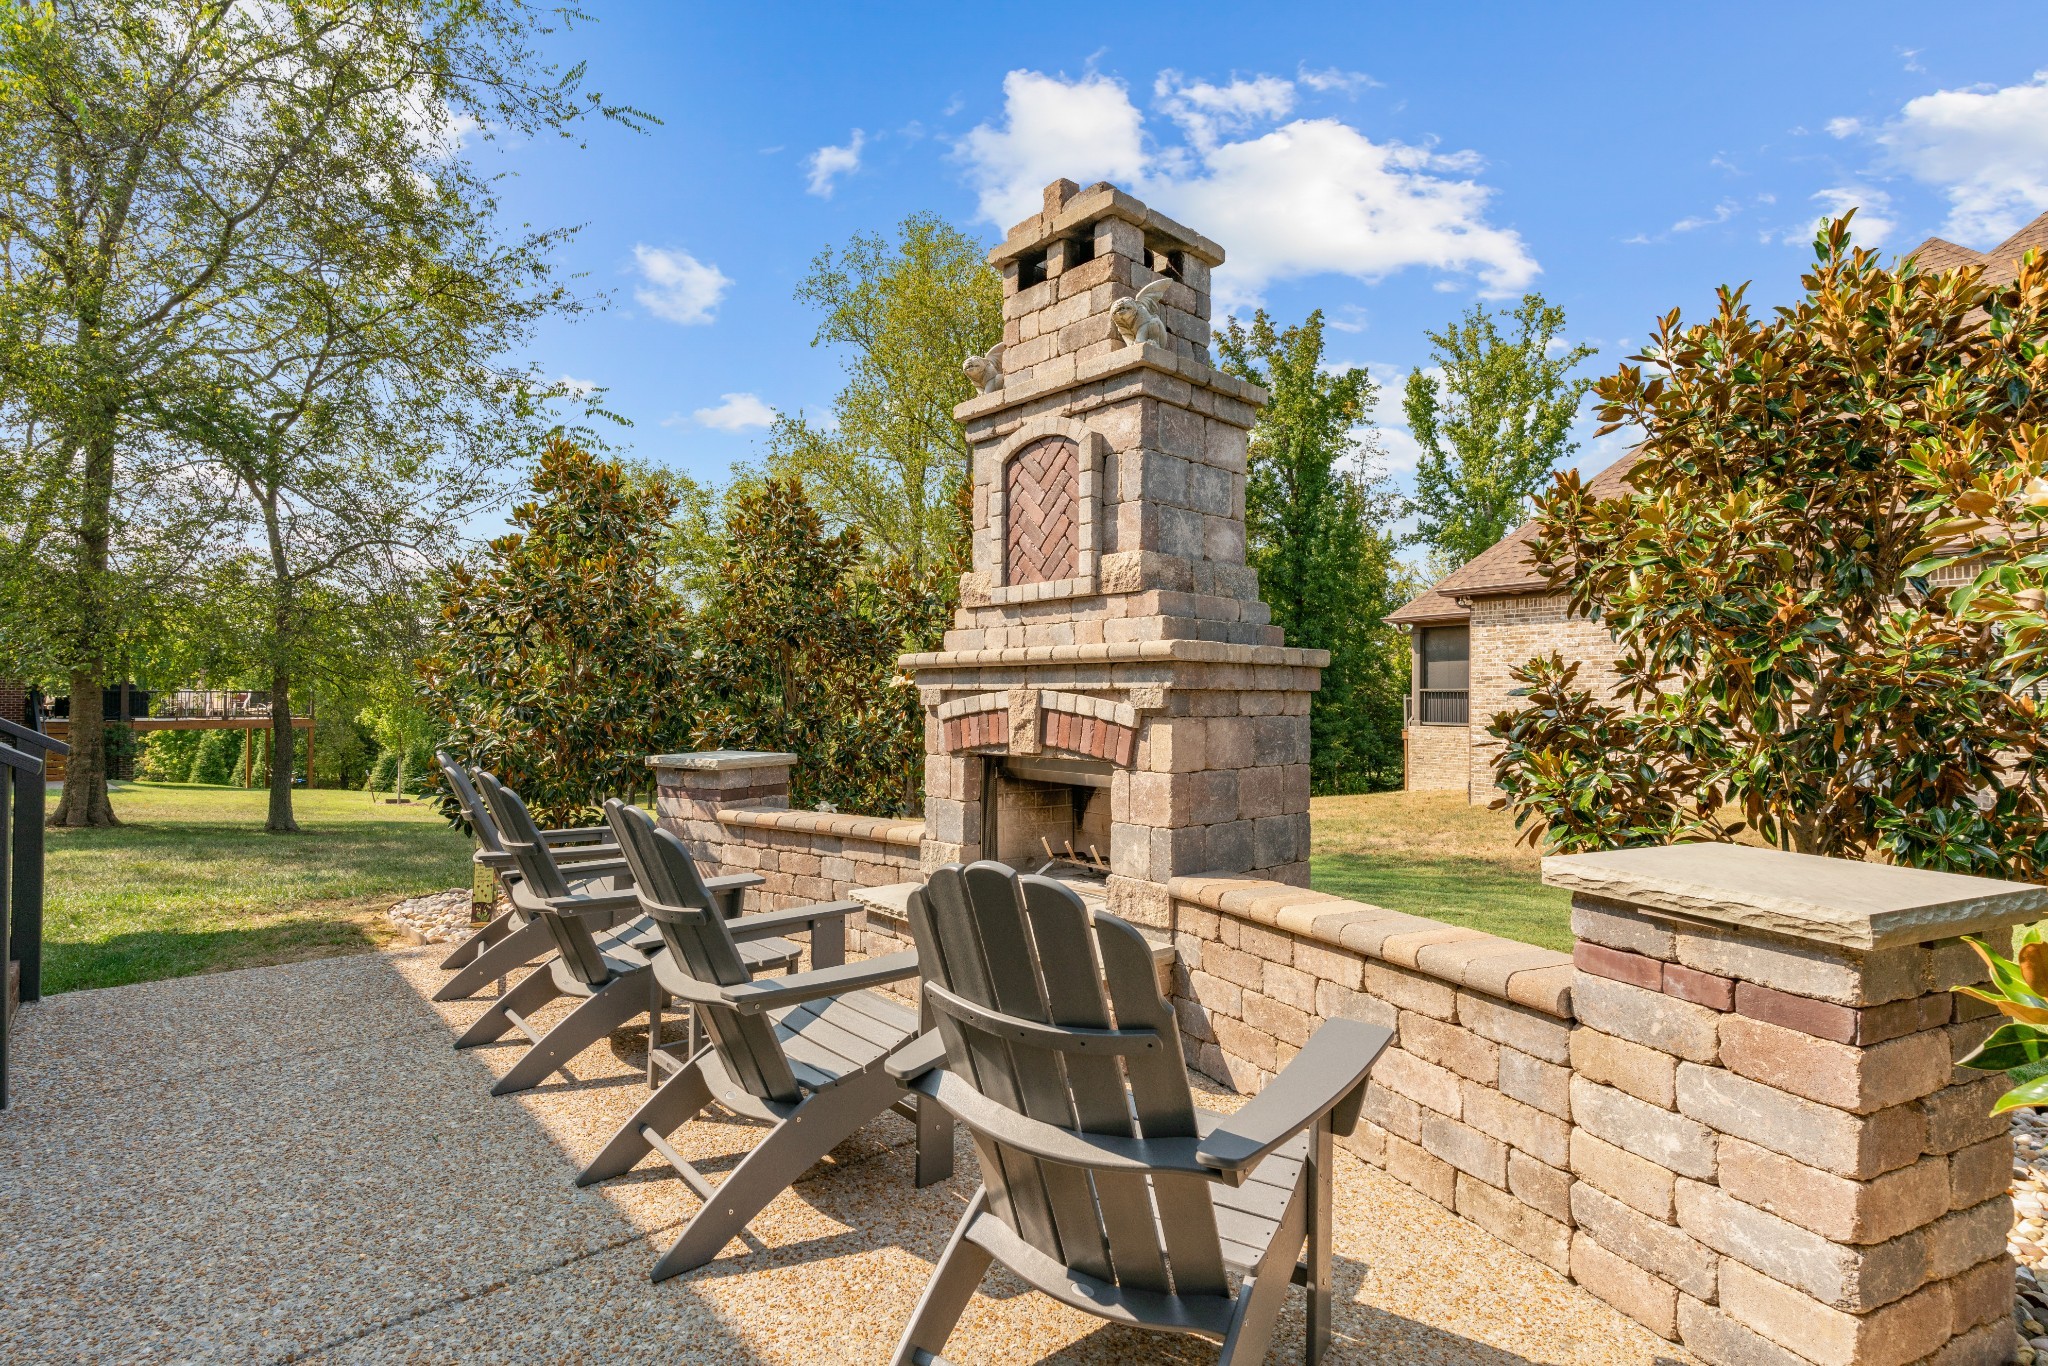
pixel 986 371
pixel 1135 321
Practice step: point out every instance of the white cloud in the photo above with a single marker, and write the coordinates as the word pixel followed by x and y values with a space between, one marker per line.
pixel 1400 452
pixel 1987 149
pixel 1311 196
pixel 1723 211
pixel 1331 78
pixel 1087 130
pixel 1844 128
pixel 737 413
pixel 578 388
pixel 827 164
pixel 1204 110
pixel 675 420
pixel 1872 226
pixel 678 286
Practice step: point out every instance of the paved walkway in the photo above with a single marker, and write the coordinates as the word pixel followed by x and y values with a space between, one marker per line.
pixel 291 1163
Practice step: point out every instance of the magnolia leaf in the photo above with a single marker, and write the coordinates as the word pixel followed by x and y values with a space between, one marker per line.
pixel 2010 1046
pixel 2033 1092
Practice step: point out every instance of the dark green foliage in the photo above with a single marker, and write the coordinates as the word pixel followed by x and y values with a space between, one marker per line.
pixel 798 653
pixel 167 755
pixel 1785 665
pixel 1316 513
pixel 218 758
pixel 383 775
pixel 561 661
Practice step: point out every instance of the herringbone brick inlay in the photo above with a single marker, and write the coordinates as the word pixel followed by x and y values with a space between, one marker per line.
pixel 1041 503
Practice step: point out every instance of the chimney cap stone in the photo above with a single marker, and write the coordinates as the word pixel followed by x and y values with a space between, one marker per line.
pixel 1840 903
pixel 1068 208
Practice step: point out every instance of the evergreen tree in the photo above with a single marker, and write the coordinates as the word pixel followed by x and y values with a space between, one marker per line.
pixel 1317 508
pixel 1493 427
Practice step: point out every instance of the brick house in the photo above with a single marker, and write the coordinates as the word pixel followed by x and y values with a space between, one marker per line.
pixel 1496 612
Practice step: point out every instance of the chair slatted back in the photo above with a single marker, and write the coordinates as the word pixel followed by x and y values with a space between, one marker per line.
pixel 542 881
pixel 480 823
pixel 672 891
pixel 995 947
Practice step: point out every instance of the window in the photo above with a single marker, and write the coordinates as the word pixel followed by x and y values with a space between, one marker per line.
pixel 1443 675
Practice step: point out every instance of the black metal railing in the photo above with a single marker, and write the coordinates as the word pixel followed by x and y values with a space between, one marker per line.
pixel 1441 706
pixel 22 792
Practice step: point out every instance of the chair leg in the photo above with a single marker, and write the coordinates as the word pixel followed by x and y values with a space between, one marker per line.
pixel 1263 1292
pixel 817 1126
pixel 615 1003
pixel 535 991
pixel 948 1293
pixel 500 926
pixel 934 1142
pixel 515 950
pixel 1321 1172
pixel 681 1099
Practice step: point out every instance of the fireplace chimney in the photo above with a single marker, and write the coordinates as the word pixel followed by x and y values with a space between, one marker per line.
pixel 1110 637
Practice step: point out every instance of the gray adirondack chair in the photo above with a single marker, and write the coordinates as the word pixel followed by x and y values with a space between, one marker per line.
pixel 611 976
pixel 1103 1185
pixel 804 1053
pixel 585 856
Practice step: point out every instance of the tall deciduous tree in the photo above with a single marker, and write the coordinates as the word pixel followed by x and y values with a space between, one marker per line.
pixel 891 459
pixel 1493 417
pixel 1317 508
pixel 1786 665
pixel 562 660
pixel 157 162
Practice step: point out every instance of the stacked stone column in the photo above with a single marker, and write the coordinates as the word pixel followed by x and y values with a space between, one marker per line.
pixel 1777 1159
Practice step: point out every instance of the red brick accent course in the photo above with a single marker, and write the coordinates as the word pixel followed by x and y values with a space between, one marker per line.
pixel 1096 738
pixel 1701 988
pixel 1822 1019
pixel 1633 968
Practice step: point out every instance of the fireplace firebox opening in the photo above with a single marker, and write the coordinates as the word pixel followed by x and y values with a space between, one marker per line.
pixel 1047 815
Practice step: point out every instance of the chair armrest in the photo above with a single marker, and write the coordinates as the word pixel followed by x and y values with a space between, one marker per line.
pixel 773 993
pixel 601 903
pixel 768 923
pixel 733 882
pixel 917 1057
pixel 597 868
pixel 1326 1078
pixel 583 834
pixel 495 860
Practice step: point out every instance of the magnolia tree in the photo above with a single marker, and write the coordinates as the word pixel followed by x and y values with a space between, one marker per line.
pixel 560 661
pixel 1788 662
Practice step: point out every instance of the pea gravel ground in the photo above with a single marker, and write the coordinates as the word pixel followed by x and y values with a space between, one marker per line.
pixel 290 1163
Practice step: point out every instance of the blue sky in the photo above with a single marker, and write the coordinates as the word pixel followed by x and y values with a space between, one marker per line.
pixel 1388 163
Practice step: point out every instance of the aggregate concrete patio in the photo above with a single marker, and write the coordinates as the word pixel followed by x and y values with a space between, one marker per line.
pixel 291 1163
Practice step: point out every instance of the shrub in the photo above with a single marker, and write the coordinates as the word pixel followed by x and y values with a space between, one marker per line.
pixel 1786 662
pixel 167 755
pixel 218 758
pixel 383 773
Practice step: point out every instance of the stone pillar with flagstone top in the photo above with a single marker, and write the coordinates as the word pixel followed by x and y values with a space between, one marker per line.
pixel 1777 1159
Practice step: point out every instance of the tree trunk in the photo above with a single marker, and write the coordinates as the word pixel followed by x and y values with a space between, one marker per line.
pixel 85 772
pixel 84 802
pixel 283 755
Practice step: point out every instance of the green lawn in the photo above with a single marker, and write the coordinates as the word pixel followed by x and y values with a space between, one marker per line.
pixel 1429 853
pixel 191 883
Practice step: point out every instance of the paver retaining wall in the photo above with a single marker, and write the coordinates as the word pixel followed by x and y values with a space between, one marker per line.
pixel 1471 1104
pixel 1734 1112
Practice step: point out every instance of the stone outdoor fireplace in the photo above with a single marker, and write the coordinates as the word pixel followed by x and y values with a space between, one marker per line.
pixel 1113 699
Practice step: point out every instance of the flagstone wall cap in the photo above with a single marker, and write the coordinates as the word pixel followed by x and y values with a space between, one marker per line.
pixel 721 760
pixel 1180 650
pixel 1836 902
pixel 840 825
